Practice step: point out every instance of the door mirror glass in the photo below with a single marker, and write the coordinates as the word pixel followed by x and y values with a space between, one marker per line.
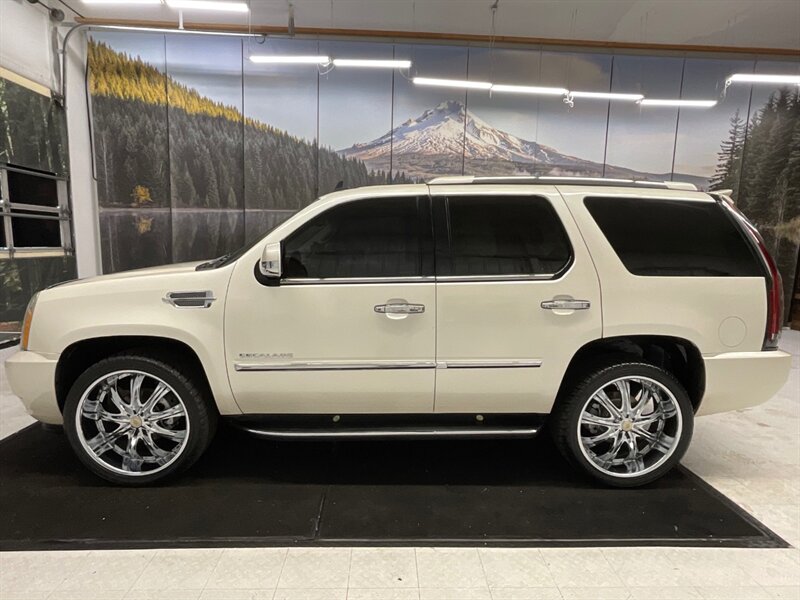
pixel 270 264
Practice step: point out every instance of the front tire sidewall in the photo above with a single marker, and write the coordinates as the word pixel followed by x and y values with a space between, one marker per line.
pixel 197 414
pixel 581 395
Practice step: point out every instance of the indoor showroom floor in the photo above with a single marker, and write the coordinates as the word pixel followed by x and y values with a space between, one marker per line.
pixel 751 456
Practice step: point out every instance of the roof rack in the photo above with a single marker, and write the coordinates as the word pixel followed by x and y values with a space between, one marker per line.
pixel 598 181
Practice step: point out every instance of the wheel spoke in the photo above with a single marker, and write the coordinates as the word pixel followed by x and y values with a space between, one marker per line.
pixel 661 443
pixel 159 455
pixel 600 437
pixel 103 442
pixel 624 389
pixel 170 413
pixel 603 400
pixel 132 461
pixel 590 419
pixel 175 436
pixel 116 398
pixel 136 391
pixel 159 393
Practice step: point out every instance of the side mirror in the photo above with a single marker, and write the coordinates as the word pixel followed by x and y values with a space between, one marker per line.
pixel 270 263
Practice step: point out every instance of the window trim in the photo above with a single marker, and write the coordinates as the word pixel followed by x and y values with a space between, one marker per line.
pixel 60 213
pixel 444 199
pixel 426 247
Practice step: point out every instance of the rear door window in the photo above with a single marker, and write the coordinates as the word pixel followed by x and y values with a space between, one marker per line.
pixel 677 238
pixel 499 236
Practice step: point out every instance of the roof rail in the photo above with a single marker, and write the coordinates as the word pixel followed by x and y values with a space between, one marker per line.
pixel 599 181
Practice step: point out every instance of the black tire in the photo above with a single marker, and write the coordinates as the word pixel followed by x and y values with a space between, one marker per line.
pixel 564 422
pixel 200 418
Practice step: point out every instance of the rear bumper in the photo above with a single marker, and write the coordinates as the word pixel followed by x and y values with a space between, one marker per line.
pixel 32 377
pixel 736 380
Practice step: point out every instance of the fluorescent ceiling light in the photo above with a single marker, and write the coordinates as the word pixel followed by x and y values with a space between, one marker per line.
pixel 122 1
pixel 687 103
pixel 173 30
pixel 607 95
pixel 455 83
pixel 370 63
pixel 290 60
pixel 209 5
pixel 754 78
pixel 529 89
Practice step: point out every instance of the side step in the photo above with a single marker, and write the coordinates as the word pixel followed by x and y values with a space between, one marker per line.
pixel 377 427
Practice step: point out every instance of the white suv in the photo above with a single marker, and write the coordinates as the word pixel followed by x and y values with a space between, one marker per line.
pixel 616 311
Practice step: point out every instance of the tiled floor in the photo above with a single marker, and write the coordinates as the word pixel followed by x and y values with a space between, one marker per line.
pixel 752 456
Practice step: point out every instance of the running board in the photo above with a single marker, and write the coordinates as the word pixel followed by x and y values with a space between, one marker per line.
pixel 395 433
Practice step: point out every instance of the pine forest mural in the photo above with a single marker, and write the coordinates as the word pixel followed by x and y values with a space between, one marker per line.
pixel 196 156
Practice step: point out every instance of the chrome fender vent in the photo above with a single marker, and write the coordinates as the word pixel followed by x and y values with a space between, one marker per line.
pixel 190 299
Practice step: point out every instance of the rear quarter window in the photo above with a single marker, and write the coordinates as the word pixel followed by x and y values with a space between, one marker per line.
pixel 676 238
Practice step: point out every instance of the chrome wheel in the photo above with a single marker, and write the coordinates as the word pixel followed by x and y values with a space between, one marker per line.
pixel 132 423
pixel 629 426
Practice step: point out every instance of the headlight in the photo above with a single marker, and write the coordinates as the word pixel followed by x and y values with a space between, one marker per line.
pixel 26 323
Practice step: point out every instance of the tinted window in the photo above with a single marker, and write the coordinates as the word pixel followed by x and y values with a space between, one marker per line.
pixel 24 188
pixel 499 235
pixel 673 237
pixel 365 238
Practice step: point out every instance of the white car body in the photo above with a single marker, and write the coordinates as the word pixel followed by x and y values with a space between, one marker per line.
pixel 263 348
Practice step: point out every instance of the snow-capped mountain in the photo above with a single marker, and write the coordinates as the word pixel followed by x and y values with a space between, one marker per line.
pixel 434 142
pixel 450 130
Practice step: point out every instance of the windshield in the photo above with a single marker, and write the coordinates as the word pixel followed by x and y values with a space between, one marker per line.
pixel 231 257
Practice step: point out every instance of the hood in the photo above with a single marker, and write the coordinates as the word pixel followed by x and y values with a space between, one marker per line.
pixel 136 273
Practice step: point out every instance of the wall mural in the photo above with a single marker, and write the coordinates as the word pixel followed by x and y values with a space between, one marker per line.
pixel 199 150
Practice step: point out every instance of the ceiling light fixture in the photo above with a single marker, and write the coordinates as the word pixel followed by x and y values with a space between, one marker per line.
pixel 759 78
pixel 173 30
pixel 529 89
pixel 121 2
pixel 371 63
pixel 684 103
pixel 289 60
pixel 453 83
pixel 217 5
pixel 607 96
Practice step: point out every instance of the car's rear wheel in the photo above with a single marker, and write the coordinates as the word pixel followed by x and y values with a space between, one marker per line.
pixel 134 419
pixel 625 425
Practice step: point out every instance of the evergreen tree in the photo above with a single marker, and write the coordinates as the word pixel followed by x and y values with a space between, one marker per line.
pixel 729 165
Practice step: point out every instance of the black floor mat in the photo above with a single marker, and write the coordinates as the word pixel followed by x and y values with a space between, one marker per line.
pixel 249 492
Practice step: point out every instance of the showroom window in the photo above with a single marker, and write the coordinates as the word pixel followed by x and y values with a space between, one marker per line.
pixel 499 236
pixel 676 238
pixel 382 237
pixel 34 214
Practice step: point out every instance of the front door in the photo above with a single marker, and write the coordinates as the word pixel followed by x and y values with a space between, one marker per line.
pixel 351 327
pixel 517 295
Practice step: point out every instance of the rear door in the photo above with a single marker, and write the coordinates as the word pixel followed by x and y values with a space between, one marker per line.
pixel 517 296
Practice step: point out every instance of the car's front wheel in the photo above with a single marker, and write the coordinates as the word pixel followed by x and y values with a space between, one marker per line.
pixel 625 424
pixel 134 419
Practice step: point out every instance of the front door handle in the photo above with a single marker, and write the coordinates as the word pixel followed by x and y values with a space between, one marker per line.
pixel 566 304
pixel 400 308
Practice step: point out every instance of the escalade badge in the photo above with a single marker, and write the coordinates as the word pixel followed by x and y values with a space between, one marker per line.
pixel 267 355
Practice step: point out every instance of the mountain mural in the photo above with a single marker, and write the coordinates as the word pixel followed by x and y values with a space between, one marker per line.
pixel 422 144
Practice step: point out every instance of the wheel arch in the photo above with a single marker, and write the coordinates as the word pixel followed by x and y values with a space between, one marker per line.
pixel 677 355
pixel 80 355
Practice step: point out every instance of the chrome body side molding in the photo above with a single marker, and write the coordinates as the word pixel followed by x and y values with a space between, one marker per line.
pixel 191 299
pixel 332 365
pixel 500 363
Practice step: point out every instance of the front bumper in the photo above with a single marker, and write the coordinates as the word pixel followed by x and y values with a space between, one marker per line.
pixel 736 380
pixel 32 377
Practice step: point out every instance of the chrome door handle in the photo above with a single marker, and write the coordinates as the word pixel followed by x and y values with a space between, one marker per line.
pixel 566 304
pixel 400 309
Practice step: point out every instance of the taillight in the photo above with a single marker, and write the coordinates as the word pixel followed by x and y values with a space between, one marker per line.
pixel 774 297
pixel 774 281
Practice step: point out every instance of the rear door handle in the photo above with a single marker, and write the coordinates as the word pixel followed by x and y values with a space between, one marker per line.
pixel 400 309
pixel 566 304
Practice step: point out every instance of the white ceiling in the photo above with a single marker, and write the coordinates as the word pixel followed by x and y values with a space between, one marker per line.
pixel 741 23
